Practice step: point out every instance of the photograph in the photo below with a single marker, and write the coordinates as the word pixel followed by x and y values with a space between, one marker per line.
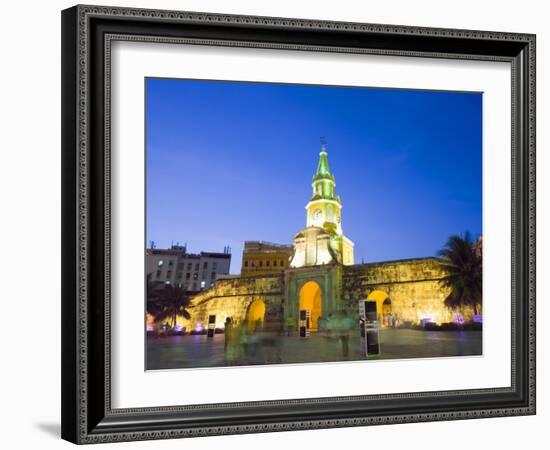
pixel 287 218
pixel 301 223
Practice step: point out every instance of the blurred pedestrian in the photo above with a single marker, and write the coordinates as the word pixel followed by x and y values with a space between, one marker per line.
pixel 227 333
pixel 232 345
pixel 343 325
pixel 244 343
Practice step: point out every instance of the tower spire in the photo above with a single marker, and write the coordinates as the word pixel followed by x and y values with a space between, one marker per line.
pixel 322 166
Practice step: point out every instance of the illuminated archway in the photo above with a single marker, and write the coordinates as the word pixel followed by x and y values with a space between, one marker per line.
pixel 382 302
pixel 255 315
pixel 311 299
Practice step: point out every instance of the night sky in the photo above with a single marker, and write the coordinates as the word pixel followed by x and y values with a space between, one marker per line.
pixel 231 161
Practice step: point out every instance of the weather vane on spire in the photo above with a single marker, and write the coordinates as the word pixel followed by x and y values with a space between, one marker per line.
pixel 323 141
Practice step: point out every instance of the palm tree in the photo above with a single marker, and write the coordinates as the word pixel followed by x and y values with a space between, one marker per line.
pixel 168 302
pixel 463 264
pixel 152 296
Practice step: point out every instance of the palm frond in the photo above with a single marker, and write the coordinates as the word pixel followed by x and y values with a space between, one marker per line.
pixel 168 302
pixel 463 267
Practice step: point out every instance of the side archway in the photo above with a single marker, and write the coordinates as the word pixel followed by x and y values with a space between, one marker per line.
pixel 255 315
pixel 383 303
pixel 311 299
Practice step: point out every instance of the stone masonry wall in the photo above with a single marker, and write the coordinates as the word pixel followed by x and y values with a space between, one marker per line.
pixel 232 297
pixel 413 287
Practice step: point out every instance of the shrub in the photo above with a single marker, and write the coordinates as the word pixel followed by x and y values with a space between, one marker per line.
pixel 431 326
pixel 451 326
pixel 473 326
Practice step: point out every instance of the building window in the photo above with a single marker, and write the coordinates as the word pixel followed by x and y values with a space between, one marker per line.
pixel 159 273
pixel 260 263
pixel 180 275
pixel 267 263
pixel 195 286
pixel 246 263
pixel 187 276
pixel 195 276
pixel 205 265
pixel 214 265
pixel 169 274
pixel 213 276
pixel 160 263
pixel 197 267
pixel 170 263
pixel 189 265
pixel 253 264
pixel 282 263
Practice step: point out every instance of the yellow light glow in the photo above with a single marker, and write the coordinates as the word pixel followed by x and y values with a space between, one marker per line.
pixel 379 297
pixel 311 300
pixel 255 315
pixel 436 317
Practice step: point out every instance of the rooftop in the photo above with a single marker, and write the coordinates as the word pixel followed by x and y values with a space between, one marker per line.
pixel 183 253
pixel 250 246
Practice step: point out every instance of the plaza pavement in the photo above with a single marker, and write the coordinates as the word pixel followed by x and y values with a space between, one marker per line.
pixel 193 351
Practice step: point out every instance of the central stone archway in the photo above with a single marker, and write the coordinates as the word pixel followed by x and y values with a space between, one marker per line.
pixel 311 299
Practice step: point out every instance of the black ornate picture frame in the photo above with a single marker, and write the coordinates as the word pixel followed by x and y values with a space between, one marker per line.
pixel 87 34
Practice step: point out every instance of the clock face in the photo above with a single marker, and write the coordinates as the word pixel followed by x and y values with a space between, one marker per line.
pixel 317 214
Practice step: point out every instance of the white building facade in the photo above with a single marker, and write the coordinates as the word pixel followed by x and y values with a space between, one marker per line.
pixel 192 271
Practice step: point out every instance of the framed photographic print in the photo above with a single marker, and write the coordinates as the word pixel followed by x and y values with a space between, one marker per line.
pixel 268 222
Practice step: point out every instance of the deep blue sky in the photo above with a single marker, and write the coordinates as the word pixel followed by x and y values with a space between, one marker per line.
pixel 230 161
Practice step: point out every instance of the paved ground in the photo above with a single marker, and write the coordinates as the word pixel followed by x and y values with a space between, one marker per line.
pixel 199 351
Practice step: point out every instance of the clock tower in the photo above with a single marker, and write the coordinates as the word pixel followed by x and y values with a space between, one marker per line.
pixel 322 241
pixel 324 208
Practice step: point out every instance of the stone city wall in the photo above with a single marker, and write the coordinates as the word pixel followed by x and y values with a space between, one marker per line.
pixel 412 286
pixel 232 298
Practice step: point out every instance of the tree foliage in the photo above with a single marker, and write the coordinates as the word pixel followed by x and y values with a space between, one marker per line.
pixel 167 302
pixel 463 264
